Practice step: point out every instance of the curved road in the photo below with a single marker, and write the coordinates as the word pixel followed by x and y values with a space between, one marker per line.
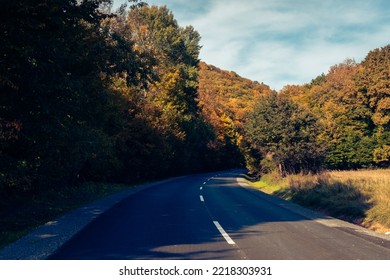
pixel 215 216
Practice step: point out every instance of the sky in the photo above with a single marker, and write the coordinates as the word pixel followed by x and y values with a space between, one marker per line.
pixel 280 42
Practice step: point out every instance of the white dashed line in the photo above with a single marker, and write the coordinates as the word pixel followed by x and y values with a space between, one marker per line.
pixel 201 198
pixel 224 234
pixel 201 188
pixel 204 183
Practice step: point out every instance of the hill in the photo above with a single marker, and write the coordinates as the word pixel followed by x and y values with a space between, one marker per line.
pixel 225 99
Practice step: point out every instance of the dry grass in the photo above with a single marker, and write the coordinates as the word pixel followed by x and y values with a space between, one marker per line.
pixel 376 185
pixel 362 197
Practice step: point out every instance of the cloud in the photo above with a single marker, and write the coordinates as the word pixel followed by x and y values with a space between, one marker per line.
pixel 283 42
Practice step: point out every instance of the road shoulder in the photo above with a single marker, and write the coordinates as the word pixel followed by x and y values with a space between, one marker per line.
pixel 45 240
pixel 369 235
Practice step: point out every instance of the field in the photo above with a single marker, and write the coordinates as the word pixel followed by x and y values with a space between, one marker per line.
pixel 361 197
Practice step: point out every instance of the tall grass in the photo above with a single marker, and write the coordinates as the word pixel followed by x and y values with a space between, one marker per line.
pixel 361 197
pixel 375 184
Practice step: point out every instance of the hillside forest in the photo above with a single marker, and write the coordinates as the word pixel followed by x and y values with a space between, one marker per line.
pixel 88 94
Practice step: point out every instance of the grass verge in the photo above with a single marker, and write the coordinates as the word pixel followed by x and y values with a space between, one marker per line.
pixel 19 214
pixel 361 197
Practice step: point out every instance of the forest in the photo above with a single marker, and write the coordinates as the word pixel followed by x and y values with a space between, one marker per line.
pixel 88 94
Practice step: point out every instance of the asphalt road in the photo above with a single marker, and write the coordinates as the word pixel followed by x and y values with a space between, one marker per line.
pixel 213 216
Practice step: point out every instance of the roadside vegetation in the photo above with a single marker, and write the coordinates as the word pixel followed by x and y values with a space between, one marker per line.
pixel 361 197
pixel 23 213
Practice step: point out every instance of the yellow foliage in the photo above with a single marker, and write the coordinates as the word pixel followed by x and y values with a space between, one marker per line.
pixel 382 154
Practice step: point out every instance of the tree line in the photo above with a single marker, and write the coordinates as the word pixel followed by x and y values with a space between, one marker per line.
pixel 337 121
pixel 340 120
pixel 92 95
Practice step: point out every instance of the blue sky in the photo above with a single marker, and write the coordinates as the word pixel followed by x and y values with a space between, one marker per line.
pixel 282 42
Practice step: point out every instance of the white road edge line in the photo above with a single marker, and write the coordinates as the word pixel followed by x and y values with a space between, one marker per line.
pixel 224 234
pixel 201 198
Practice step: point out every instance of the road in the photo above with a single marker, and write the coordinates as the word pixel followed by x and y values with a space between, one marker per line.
pixel 212 216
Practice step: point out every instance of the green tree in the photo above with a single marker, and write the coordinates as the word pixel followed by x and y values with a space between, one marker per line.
pixel 284 135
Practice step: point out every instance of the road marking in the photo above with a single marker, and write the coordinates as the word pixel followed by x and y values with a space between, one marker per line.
pixel 201 188
pixel 201 198
pixel 204 183
pixel 224 234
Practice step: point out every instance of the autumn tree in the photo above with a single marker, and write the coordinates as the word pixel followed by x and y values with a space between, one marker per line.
pixel 351 104
pixel 57 114
pixel 343 112
pixel 373 81
pixel 169 103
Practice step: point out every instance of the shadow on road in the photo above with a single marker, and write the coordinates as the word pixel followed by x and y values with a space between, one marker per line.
pixel 171 222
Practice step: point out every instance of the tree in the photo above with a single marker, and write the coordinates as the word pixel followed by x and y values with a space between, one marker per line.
pixel 284 135
pixel 347 126
pixel 169 104
pixel 57 63
pixel 373 81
